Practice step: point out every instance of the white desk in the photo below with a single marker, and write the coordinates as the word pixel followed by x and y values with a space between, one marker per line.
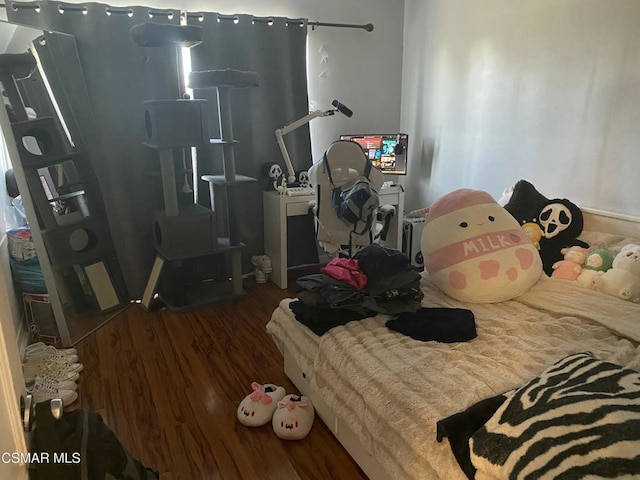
pixel 278 207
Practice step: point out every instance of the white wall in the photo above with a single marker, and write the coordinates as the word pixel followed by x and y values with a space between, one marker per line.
pixel 361 69
pixel 11 325
pixel 9 306
pixel 547 90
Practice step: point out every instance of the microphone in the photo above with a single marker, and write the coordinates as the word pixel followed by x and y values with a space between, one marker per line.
pixel 343 109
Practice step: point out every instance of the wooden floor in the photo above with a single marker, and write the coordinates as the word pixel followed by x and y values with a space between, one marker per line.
pixel 169 385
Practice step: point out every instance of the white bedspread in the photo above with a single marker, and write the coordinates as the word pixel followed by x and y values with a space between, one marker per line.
pixel 391 390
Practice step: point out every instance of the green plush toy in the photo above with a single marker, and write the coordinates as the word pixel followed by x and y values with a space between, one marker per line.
pixel 600 260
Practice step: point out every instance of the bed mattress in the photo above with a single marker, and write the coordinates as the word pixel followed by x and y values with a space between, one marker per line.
pixel 391 390
pixel 286 331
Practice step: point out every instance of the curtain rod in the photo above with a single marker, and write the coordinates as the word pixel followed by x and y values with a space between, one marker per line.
pixel 368 27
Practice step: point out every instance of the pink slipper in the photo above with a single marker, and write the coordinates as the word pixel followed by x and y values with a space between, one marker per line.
pixel 293 418
pixel 257 408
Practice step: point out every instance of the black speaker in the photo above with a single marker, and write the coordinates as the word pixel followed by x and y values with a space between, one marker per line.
pixel 411 241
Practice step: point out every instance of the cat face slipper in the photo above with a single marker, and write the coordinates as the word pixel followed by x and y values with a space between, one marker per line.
pixel 257 408
pixel 293 418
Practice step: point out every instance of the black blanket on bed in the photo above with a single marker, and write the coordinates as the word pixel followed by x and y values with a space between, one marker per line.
pixel 459 428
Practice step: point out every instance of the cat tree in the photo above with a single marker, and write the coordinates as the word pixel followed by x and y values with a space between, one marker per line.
pixel 185 234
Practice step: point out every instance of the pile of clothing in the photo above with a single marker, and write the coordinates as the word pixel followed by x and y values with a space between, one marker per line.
pixel 375 280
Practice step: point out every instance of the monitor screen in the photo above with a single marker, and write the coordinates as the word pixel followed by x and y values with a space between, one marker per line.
pixel 387 152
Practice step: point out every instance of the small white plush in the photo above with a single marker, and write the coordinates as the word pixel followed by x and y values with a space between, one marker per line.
pixel 256 409
pixel 622 280
pixel 589 278
pixel 293 418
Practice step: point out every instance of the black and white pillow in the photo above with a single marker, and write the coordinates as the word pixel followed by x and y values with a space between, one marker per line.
pixel 579 419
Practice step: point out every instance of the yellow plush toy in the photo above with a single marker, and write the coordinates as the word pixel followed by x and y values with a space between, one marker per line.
pixel 534 232
pixel 475 251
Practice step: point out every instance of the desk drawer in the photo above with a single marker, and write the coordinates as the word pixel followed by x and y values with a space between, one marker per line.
pixel 294 209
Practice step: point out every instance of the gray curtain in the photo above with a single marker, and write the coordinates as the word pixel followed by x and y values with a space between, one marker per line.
pixel 119 76
pixel 275 48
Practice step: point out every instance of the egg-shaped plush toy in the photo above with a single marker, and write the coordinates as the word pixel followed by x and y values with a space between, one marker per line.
pixel 475 251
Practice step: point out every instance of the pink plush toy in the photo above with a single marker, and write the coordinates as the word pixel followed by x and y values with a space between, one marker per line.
pixel 572 265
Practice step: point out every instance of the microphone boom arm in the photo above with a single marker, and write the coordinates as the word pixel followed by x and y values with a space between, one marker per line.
pixel 281 132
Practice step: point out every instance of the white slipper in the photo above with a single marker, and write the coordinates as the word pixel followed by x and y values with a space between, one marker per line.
pixel 293 418
pixel 257 408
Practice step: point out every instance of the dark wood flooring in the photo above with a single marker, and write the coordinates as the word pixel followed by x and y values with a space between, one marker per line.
pixel 169 385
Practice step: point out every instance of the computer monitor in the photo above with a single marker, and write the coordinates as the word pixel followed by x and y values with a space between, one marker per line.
pixel 387 152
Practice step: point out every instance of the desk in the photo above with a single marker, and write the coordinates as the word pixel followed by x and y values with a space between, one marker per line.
pixel 278 207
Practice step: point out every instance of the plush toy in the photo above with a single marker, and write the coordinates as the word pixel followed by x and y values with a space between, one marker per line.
pixel 273 173
pixel 622 280
pixel 599 259
pixel 559 219
pixel 561 223
pixel 525 202
pixel 589 278
pixel 475 251
pixel 534 232
pixel 572 265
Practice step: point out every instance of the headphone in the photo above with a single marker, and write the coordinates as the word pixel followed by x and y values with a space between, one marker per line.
pixel 398 149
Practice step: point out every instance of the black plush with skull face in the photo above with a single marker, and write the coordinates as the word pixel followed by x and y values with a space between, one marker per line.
pixel 559 219
pixel 561 222
pixel 273 172
pixel 526 202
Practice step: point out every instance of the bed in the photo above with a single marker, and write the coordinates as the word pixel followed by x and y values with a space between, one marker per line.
pixel 382 393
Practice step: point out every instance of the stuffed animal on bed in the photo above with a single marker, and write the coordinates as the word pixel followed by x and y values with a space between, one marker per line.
pixel 561 222
pixel 622 280
pixel 599 259
pixel 572 265
pixel 559 219
pixel 534 232
pixel 475 251
pixel 589 278
pixel 525 202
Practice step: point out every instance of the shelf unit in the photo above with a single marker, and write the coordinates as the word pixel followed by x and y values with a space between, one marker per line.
pixel 64 204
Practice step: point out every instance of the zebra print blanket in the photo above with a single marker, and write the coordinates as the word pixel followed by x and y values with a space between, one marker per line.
pixel 580 418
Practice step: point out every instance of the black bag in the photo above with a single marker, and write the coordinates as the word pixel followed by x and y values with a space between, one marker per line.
pixel 356 201
pixel 80 446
